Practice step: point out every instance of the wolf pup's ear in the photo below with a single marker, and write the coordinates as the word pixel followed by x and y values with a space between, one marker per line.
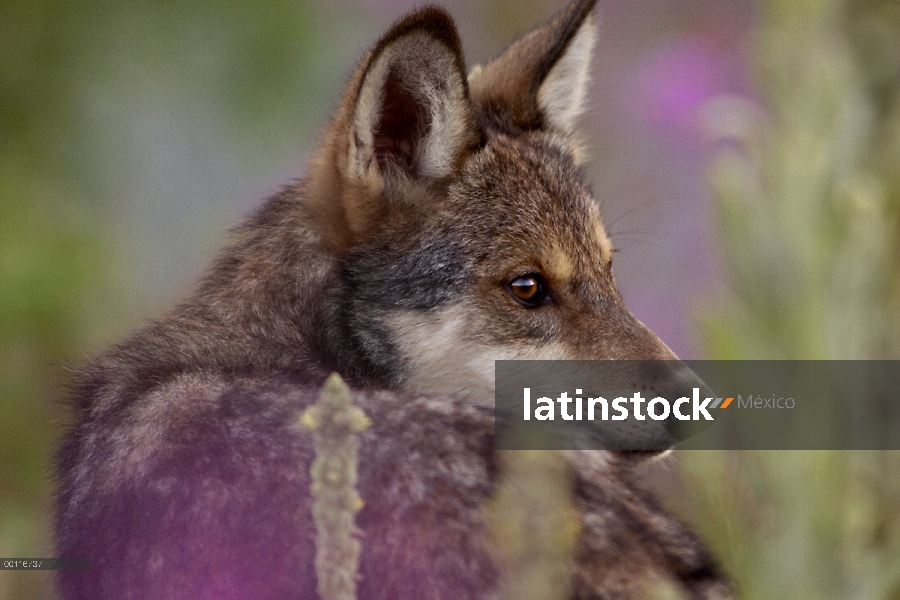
pixel 541 80
pixel 409 108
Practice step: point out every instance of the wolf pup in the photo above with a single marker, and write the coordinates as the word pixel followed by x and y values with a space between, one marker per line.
pixel 444 224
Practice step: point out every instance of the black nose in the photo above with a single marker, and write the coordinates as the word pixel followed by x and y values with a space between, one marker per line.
pixel 687 418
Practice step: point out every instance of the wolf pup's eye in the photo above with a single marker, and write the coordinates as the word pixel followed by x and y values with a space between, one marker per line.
pixel 530 290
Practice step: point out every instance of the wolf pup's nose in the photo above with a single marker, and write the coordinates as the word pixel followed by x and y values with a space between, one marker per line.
pixel 690 417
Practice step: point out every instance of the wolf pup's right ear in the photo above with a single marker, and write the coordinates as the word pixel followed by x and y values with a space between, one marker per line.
pixel 406 115
pixel 411 108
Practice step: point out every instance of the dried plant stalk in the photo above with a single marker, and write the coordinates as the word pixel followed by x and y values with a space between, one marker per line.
pixel 335 421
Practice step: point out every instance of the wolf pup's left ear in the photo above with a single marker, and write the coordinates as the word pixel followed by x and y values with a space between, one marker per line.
pixel 541 80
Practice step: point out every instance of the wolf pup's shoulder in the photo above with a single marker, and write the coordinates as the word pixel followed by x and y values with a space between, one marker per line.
pixel 444 224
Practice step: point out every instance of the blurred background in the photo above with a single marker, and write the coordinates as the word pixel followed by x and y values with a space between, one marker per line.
pixel 747 155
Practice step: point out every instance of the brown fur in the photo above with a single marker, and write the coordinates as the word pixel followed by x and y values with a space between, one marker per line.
pixel 507 88
pixel 185 475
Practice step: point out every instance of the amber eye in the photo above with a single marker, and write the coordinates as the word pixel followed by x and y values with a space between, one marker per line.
pixel 529 290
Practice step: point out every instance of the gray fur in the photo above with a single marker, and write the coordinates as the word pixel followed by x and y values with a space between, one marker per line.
pixel 185 474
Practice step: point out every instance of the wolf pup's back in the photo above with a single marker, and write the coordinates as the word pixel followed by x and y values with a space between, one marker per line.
pixel 444 224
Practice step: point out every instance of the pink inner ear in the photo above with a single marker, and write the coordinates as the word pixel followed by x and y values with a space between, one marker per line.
pixel 401 127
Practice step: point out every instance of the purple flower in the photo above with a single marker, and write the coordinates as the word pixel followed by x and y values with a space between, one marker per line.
pixel 668 86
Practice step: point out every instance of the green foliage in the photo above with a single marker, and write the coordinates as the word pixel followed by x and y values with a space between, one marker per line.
pixel 50 261
pixel 808 198
pixel 533 525
pixel 60 283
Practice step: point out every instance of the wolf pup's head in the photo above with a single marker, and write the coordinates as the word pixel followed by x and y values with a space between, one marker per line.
pixel 458 207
